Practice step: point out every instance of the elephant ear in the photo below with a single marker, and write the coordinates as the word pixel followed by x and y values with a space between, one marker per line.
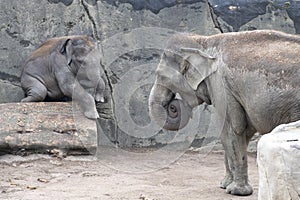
pixel 198 66
pixel 67 50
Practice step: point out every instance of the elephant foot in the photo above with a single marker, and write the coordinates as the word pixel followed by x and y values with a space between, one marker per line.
pixel 32 99
pixel 238 189
pixel 226 181
pixel 27 99
pixel 91 114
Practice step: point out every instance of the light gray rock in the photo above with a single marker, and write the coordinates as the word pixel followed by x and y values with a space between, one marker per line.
pixel 276 19
pixel 244 15
pixel 10 92
pixel 278 163
pixel 54 127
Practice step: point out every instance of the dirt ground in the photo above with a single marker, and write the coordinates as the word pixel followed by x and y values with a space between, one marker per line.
pixel 190 176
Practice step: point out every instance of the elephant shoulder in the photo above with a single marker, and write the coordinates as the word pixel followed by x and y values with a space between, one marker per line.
pixel 45 49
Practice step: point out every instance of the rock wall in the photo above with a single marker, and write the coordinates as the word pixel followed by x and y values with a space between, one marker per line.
pixel 132 35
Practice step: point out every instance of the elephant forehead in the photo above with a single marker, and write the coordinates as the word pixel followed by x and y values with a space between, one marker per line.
pixel 90 68
pixel 173 54
pixel 169 61
pixel 166 70
pixel 93 57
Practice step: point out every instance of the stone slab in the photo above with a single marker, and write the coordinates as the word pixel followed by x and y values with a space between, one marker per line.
pixel 45 126
pixel 279 163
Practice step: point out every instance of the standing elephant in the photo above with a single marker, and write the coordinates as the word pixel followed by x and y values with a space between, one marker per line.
pixel 65 67
pixel 253 76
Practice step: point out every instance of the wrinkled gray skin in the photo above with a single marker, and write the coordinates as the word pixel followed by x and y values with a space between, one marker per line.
pixel 65 67
pixel 253 78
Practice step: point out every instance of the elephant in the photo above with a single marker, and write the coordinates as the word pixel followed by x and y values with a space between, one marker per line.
pixel 66 66
pixel 252 77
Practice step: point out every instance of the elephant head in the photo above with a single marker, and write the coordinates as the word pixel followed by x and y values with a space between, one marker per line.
pixel 181 72
pixel 83 58
pixel 89 75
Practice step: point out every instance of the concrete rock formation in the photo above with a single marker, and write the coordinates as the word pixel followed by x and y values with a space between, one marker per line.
pixel 281 179
pixel 44 127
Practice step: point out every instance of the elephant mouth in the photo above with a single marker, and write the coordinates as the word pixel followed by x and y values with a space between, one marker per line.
pixel 171 114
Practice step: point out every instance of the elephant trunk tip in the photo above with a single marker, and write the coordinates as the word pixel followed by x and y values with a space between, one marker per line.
pixel 173 116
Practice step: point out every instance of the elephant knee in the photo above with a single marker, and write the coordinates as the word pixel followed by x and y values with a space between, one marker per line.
pixel 68 89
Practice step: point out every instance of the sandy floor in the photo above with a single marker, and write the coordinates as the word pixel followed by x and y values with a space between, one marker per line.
pixel 191 176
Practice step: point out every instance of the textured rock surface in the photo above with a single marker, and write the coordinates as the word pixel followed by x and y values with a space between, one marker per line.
pixel 257 14
pixel 278 163
pixel 45 126
pixel 10 92
pixel 132 35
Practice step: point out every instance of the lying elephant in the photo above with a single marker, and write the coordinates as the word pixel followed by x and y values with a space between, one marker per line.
pixel 254 75
pixel 63 65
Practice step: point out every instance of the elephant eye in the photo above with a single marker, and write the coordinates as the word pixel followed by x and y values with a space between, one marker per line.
pixel 184 66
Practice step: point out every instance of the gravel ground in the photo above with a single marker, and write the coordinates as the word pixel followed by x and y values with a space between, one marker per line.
pixel 192 175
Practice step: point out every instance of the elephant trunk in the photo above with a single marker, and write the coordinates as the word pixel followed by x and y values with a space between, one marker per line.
pixel 169 113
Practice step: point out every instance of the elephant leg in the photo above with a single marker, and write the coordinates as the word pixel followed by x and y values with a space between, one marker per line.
pixel 71 88
pixel 236 180
pixel 235 137
pixel 228 177
pixel 34 89
pixel 99 94
pixel 250 134
pixel 85 101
